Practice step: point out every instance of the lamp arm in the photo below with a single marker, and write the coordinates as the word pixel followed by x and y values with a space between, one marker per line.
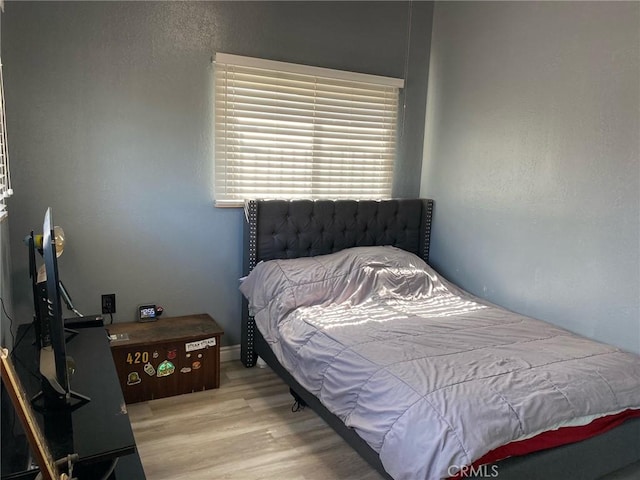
pixel 67 299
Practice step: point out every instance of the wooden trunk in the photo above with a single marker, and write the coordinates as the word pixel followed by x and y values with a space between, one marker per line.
pixel 170 356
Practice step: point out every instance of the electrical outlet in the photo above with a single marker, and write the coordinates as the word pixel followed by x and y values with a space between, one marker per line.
pixel 109 303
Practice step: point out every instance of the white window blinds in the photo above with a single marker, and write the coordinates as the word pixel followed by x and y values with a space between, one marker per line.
pixel 5 176
pixel 292 131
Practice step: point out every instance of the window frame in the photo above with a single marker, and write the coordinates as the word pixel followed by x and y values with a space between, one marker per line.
pixel 5 174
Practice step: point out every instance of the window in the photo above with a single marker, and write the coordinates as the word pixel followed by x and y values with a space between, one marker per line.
pixel 5 177
pixel 293 131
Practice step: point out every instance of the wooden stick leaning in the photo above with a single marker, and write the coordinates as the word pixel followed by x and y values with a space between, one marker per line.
pixel 38 444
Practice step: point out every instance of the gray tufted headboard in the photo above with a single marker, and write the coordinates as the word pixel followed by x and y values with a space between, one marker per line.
pixel 305 228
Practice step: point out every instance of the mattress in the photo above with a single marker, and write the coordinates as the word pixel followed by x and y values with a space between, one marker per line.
pixel 432 378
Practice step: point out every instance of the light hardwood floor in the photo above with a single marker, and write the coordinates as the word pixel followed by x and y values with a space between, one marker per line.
pixel 243 430
pixel 246 430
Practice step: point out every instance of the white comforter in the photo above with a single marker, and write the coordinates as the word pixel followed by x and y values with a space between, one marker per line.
pixel 431 377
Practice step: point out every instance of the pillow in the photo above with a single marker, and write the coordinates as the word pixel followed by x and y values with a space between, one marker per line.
pixel 296 282
pixel 389 272
pixel 351 275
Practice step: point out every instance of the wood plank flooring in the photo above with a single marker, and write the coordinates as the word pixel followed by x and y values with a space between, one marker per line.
pixel 246 430
pixel 243 430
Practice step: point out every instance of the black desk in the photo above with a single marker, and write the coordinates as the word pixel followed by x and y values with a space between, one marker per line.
pixel 99 431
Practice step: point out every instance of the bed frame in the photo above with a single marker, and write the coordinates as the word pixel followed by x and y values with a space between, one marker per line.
pixel 277 229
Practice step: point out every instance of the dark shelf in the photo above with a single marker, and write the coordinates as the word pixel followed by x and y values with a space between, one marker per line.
pixel 99 431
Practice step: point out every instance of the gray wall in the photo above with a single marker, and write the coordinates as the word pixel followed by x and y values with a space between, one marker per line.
pixel 532 155
pixel 6 335
pixel 110 115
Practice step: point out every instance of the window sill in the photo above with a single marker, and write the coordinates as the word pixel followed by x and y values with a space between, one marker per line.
pixel 228 204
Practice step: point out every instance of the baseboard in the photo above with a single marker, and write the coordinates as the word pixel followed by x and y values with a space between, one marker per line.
pixel 230 352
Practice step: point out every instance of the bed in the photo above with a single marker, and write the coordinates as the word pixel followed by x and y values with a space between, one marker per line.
pixel 507 368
